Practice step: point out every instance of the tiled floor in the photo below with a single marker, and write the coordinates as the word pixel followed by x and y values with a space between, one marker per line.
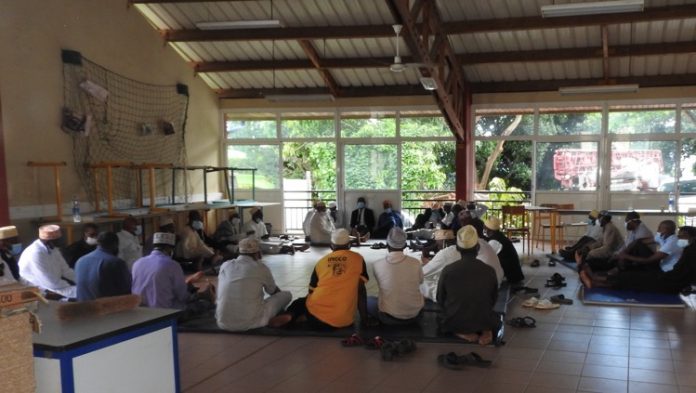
pixel 575 348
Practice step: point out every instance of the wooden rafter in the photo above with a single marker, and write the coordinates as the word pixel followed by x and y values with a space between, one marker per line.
pixel 554 84
pixel 685 11
pixel 464 59
pixel 429 44
pixel 313 56
pixel 346 92
pixel 605 52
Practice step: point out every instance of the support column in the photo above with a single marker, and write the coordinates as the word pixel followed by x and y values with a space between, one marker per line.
pixel 464 162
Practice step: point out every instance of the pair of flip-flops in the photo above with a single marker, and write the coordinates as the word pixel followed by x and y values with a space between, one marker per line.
pixel 556 281
pixel 392 349
pixel 539 304
pixel 453 361
pixel 378 246
pixel 560 299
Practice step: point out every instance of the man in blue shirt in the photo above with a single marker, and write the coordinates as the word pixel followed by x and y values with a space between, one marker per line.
pixel 101 273
pixel 389 219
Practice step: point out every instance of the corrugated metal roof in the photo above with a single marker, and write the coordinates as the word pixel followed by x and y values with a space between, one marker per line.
pixel 267 79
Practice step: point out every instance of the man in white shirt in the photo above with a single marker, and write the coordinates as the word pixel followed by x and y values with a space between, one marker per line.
pixel 242 285
pixel 666 256
pixel 336 215
pixel 398 277
pixel 42 265
pixel 129 248
pixel 256 225
pixel 321 226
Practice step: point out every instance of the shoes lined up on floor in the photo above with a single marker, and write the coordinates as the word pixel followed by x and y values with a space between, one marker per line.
pixel 389 349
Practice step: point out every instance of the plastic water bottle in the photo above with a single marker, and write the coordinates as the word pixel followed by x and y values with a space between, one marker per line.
pixel 671 201
pixel 76 217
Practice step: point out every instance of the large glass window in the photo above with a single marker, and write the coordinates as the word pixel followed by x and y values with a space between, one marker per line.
pixel 513 123
pixel 642 165
pixel 642 120
pixel 314 162
pixel 307 125
pixel 420 124
pixel 265 158
pixel 368 125
pixel 579 121
pixel 566 166
pixel 370 167
pixel 250 126
pixel 427 166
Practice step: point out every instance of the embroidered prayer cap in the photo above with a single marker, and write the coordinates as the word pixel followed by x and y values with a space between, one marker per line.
pixel 492 223
pixel 467 237
pixel 249 246
pixel 253 210
pixel 332 204
pixel 166 220
pixel 594 214
pixel 8 232
pixel 164 238
pixel 340 237
pixel 396 238
pixel 49 232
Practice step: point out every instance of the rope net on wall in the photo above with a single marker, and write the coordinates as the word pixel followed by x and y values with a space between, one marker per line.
pixel 112 118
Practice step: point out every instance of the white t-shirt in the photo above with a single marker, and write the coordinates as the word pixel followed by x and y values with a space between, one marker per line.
pixel 433 269
pixel 259 229
pixel 674 252
pixel 594 230
pixel 45 268
pixel 240 293
pixel 129 248
pixel 641 232
pixel 398 277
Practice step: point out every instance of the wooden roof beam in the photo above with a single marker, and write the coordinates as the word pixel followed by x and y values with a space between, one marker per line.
pixel 345 92
pixel 685 11
pixel 313 56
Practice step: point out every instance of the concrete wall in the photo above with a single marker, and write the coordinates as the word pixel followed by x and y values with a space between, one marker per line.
pixel 108 32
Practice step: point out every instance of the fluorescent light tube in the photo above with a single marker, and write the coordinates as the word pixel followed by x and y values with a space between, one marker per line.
pixel 428 83
pixel 299 97
pixel 599 89
pixel 592 8
pixel 239 24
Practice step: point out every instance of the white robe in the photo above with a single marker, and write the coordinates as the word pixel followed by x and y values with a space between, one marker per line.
pixel 45 268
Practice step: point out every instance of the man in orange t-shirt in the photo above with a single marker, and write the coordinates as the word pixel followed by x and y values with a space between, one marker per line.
pixel 336 289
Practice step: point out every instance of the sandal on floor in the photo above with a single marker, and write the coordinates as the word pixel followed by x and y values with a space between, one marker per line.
pixel 474 359
pixel 535 263
pixel 552 263
pixel 560 299
pixel 531 302
pixel 353 341
pixel 557 277
pixel 522 322
pixel 375 342
pixel 555 284
pixel 545 304
pixel 375 246
pixel 449 360
pixel 525 289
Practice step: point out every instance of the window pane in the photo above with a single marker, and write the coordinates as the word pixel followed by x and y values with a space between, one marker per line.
pixel 368 124
pixel 264 158
pixel 307 125
pixel 687 180
pixel 250 126
pixel 505 124
pixel 512 164
pixel 643 121
pixel 427 166
pixel 566 166
pixel 688 118
pixel 414 124
pixel 370 167
pixel 570 123
pixel 642 165
pixel 313 161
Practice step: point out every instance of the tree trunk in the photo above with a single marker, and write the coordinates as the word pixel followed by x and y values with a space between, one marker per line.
pixel 496 152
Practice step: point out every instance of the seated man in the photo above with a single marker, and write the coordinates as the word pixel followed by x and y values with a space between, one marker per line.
pixel 398 277
pixel 389 219
pixel 129 248
pixel 256 228
pixel 308 219
pixel 336 215
pixel 599 254
pixel 101 273
pixel 467 293
pixel 448 215
pixel 160 281
pixel 84 246
pixel 362 221
pixel 191 245
pixel 680 276
pixel 42 265
pixel 10 250
pixel 229 233
pixel 639 238
pixel 336 289
pixel 509 259
pixel 592 234
pixel 667 254
pixel 166 224
pixel 321 226
pixel 242 284
pixel 432 269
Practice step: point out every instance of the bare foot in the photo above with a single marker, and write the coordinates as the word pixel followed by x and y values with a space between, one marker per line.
pixel 486 338
pixel 586 280
pixel 468 337
pixel 279 320
pixel 578 258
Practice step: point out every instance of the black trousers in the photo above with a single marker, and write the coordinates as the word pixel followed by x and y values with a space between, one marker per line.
pixel 299 307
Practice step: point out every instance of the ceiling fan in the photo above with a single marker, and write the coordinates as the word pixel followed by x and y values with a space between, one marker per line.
pixel 397 65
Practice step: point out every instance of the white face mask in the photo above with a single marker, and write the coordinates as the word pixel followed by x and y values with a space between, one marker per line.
pixel 236 221
pixel 92 241
pixel 198 225
pixel 682 243
pixel 138 230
